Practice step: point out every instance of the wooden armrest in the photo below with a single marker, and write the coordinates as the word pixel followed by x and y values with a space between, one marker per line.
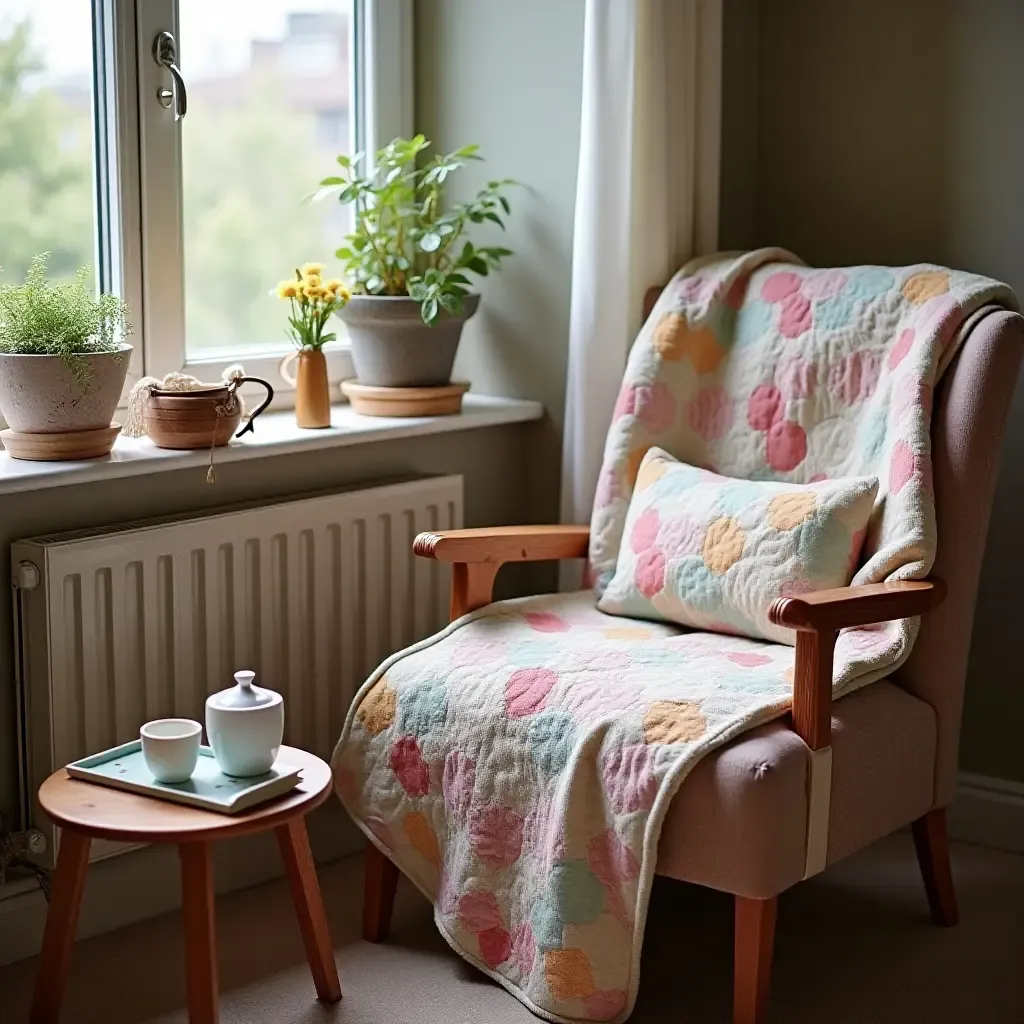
pixel 857 606
pixel 477 555
pixel 818 617
pixel 501 544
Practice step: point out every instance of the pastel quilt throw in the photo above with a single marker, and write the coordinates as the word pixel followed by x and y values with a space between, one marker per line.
pixel 518 765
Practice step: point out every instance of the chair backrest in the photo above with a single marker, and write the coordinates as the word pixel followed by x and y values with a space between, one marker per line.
pixel 968 420
pixel 969 416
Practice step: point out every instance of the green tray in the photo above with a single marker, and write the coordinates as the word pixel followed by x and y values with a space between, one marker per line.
pixel 124 767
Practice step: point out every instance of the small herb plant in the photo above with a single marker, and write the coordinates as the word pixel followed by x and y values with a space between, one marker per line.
pixel 313 302
pixel 406 240
pixel 66 320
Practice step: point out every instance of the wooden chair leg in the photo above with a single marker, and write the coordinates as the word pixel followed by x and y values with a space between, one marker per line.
pixel 752 958
pixel 379 885
pixel 197 915
pixel 65 901
pixel 932 843
pixel 293 842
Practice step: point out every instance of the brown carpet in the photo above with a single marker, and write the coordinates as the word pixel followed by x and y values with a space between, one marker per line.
pixel 854 947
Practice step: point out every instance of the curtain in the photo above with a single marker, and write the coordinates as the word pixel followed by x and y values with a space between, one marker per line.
pixel 646 198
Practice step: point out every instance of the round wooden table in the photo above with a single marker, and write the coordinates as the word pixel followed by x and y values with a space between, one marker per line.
pixel 85 811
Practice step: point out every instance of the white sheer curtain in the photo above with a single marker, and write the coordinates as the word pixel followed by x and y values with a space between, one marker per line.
pixel 646 199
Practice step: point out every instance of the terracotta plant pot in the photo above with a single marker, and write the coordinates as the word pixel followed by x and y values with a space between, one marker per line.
pixel 393 348
pixel 312 393
pixel 198 419
pixel 39 394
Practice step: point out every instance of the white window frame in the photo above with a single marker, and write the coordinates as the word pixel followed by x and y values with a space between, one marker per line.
pixel 139 185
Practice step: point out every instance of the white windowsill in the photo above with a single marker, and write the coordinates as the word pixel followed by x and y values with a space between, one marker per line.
pixel 275 434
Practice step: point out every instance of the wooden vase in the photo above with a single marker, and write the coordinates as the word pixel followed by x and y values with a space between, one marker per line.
pixel 312 396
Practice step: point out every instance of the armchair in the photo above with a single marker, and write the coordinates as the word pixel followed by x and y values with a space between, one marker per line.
pixel 833 776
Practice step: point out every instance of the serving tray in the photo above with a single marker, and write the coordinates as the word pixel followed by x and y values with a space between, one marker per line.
pixel 124 767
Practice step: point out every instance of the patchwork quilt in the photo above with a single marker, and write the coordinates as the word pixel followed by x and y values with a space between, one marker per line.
pixel 518 765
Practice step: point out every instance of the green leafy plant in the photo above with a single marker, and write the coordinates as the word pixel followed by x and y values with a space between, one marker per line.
pixel 65 319
pixel 406 240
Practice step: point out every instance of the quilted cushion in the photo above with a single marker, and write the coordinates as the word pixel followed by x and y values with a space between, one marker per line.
pixel 714 552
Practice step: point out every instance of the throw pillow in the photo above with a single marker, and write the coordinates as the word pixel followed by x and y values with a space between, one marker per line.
pixel 714 552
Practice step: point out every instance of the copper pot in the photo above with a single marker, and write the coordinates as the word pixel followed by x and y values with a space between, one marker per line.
pixel 203 418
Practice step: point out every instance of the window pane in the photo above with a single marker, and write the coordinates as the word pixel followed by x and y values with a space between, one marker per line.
pixel 268 111
pixel 47 156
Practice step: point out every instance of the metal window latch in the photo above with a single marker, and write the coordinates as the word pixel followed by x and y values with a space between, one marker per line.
pixel 165 53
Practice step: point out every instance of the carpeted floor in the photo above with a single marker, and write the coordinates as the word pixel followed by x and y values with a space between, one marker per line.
pixel 854 947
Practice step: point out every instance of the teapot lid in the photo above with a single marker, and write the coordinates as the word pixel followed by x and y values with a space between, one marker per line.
pixel 244 694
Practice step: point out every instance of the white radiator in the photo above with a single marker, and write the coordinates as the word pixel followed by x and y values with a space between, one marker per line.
pixel 118 626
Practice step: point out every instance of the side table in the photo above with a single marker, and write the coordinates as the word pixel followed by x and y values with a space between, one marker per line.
pixel 85 811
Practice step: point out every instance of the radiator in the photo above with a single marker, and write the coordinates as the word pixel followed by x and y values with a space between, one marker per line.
pixel 118 626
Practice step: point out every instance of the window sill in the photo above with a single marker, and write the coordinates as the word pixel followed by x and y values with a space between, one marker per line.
pixel 275 434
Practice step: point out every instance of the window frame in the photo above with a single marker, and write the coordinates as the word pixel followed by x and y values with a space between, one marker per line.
pixel 139 186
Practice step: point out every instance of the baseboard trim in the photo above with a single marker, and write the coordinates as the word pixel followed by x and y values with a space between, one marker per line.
pixel 989 812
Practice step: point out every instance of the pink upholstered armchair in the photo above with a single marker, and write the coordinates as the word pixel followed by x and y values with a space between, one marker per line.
pixel 741 821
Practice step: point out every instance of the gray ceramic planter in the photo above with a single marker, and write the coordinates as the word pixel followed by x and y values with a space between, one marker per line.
pixel 38 394
pixel 393 348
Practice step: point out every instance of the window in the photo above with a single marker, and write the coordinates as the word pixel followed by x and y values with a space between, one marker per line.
pixel 193 218
pixel 47 133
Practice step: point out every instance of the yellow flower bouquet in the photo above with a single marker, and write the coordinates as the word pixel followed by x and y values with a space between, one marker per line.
pixel 313 301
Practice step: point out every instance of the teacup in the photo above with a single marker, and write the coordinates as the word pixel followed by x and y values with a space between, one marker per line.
pixel 170 747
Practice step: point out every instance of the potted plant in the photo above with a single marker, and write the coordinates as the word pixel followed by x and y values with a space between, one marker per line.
pixel 62 358
pixel 410 262
pixel 312 301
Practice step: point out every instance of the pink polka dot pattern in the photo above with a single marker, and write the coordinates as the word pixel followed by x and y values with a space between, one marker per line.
pixel 655 407
pixel 748 660
pixel 823 284
pixel 764 407
pixel 855 377
pixel 780 286
pixel 650 572
pixel 711 413
pixel 786 446
pixel 901 467
pixel 899 351
pixel 478 911
pixel 796 316
pixel 545 622
pixel 625 404
pixel 526 691
pixel 645 531
pixel 495 946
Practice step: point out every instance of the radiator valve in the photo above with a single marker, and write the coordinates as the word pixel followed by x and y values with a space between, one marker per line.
pixel 26 576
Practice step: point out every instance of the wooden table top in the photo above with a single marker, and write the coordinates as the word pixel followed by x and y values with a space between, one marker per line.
pixel 105 813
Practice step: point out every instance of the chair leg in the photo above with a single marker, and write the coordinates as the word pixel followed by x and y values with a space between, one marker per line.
pixel 932 845
pixel 379 885
pixel 752 958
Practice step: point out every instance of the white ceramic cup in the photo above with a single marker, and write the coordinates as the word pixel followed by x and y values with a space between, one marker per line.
pixel 171 748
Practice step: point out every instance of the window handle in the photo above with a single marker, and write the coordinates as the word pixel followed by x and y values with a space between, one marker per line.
pixel 165 53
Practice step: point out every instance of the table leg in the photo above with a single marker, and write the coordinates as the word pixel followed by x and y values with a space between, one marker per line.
pixel 65 900
pixel 309 907
pixel 200 931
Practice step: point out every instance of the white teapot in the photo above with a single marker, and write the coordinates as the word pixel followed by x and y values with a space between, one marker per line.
pixel 245 726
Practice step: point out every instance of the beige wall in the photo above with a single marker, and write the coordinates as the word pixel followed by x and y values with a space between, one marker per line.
pixel 509 77
pixel 889 132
